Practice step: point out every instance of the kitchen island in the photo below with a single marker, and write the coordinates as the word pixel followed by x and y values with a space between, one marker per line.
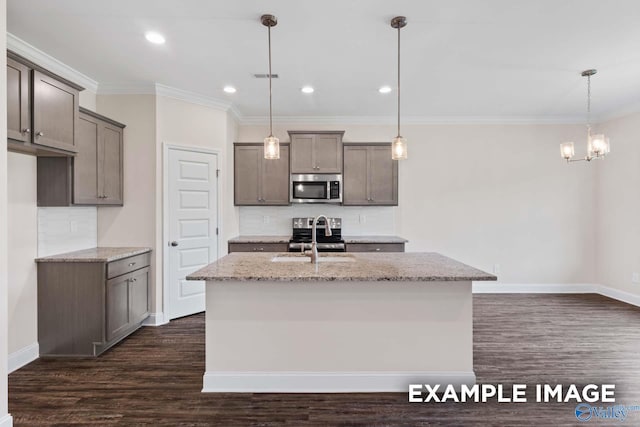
pixel 365 322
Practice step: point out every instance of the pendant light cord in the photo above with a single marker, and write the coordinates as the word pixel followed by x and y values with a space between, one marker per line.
pixel 589 103
pixel 270 92
pixel 398 80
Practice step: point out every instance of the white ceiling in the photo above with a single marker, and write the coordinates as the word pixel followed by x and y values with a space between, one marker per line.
pixel 505 59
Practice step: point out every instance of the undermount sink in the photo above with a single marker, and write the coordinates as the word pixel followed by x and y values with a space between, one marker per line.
pixel 321 258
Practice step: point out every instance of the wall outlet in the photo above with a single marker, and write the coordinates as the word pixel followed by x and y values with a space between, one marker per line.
pixel 73 226
pixel 496 268
pixel 362 219
pixel 266 219
pixel 635 277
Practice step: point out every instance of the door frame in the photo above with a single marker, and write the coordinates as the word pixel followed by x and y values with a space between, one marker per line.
pixel 166 147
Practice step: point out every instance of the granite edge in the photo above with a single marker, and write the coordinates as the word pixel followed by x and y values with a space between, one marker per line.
pixel 68 257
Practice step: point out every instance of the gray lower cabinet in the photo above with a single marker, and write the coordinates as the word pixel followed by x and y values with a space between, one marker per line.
pixel 258 247
pixel 370 176
pixel 375 247
pixel 258 181
pixel 84 308
pixel 316 152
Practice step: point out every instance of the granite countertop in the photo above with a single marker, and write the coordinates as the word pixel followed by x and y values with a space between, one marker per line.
pixel 100 254
pixel 348 239
pixel 260 239
pixel 405 266
pixel 374 239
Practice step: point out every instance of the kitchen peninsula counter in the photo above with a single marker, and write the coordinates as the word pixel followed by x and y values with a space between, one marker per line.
pixel 376 322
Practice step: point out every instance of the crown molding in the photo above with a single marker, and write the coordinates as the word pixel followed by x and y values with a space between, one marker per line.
pixel 50 63
pixel 620 113
pixel 131 88
pixel 192 97
pixel 415 120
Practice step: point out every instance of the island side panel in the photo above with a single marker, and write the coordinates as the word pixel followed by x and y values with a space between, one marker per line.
pixel 337 336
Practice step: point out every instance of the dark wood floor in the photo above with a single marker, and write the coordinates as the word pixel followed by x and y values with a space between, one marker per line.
pixel 155 376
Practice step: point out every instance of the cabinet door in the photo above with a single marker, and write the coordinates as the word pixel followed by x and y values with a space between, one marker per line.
pixel 110 178
pixel 55 113
pixel 302 154
pixel 247 173
pixel 18 115
pixel 355 177
pixel 383 176
pixel 275 179
pixel 86 162
pixel 328 153
pixel 139 296
pixel 118 313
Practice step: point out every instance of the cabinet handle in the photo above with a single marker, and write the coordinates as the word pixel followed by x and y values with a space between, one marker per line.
pixel 377 249
pixel 40 133
pixel 261 249
pixel 131 264
pixel 26 130
pixel 134 279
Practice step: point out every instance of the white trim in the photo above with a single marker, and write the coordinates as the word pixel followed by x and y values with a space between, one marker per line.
pixel 6 421
pixel 166 146
pixel 126 89
pixel 527 288
pixel 619 295
pixel 413 120
pixel 47 61
pixel 155 319
pixel 328 382
pixel 23 357
pixel 192 97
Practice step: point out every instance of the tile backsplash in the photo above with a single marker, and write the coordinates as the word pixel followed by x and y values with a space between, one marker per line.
pixel 66 229
pixel 356 221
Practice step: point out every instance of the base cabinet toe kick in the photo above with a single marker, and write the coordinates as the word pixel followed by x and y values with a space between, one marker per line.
pixel 84 308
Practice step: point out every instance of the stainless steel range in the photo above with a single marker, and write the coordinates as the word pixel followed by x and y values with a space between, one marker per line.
pixel 301 239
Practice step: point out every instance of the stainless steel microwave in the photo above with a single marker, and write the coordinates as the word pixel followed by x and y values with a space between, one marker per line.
pixel 315 188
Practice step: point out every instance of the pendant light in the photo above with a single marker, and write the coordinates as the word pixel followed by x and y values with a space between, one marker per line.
pixel 399 144
pixel 597 145
pixel 271 143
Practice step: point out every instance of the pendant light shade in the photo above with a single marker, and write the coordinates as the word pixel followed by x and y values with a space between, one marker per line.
pixel 399 144
pixel 271 143
pixel 597 144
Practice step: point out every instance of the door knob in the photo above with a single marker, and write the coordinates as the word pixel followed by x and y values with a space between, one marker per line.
pixel 40 134
pixel 174 243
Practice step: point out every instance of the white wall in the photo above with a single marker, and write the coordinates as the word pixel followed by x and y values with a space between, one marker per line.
pixel 488 194
pixel 618 203
pixel 65 229
pixel 134 224
pixel 5 419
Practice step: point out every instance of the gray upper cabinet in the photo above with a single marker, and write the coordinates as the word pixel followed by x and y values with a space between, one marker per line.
pixel 55 113
pixel 97 170
pixel 316 152
pixel 257 181
pixel 42 109
pixel 370 175
pixel 18 111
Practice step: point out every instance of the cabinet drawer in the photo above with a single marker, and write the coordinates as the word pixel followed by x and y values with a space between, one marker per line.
pixel 375 247
pixel 258 247
pixel 126 265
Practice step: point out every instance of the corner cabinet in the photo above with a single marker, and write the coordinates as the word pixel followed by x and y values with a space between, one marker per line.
pixel 370 176
pixel 84 308
pixel 42 109
pixel 258 181
pixel 98 169
pixel 316 151
pixel 94 176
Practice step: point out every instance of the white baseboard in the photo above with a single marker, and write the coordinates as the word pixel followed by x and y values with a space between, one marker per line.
pixel 328 382
pixel 6 421
pixel 22 357
pixel 155 319
pixel 619 295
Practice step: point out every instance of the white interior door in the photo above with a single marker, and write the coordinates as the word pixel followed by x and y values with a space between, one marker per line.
pixel 192 225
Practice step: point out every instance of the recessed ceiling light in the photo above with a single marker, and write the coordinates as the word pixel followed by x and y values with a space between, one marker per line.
pixel 384 89
pixel 155 38
pixel 229 89
pixel 307 89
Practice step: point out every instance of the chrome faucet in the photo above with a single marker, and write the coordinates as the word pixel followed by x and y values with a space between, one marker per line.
pixel 314 243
